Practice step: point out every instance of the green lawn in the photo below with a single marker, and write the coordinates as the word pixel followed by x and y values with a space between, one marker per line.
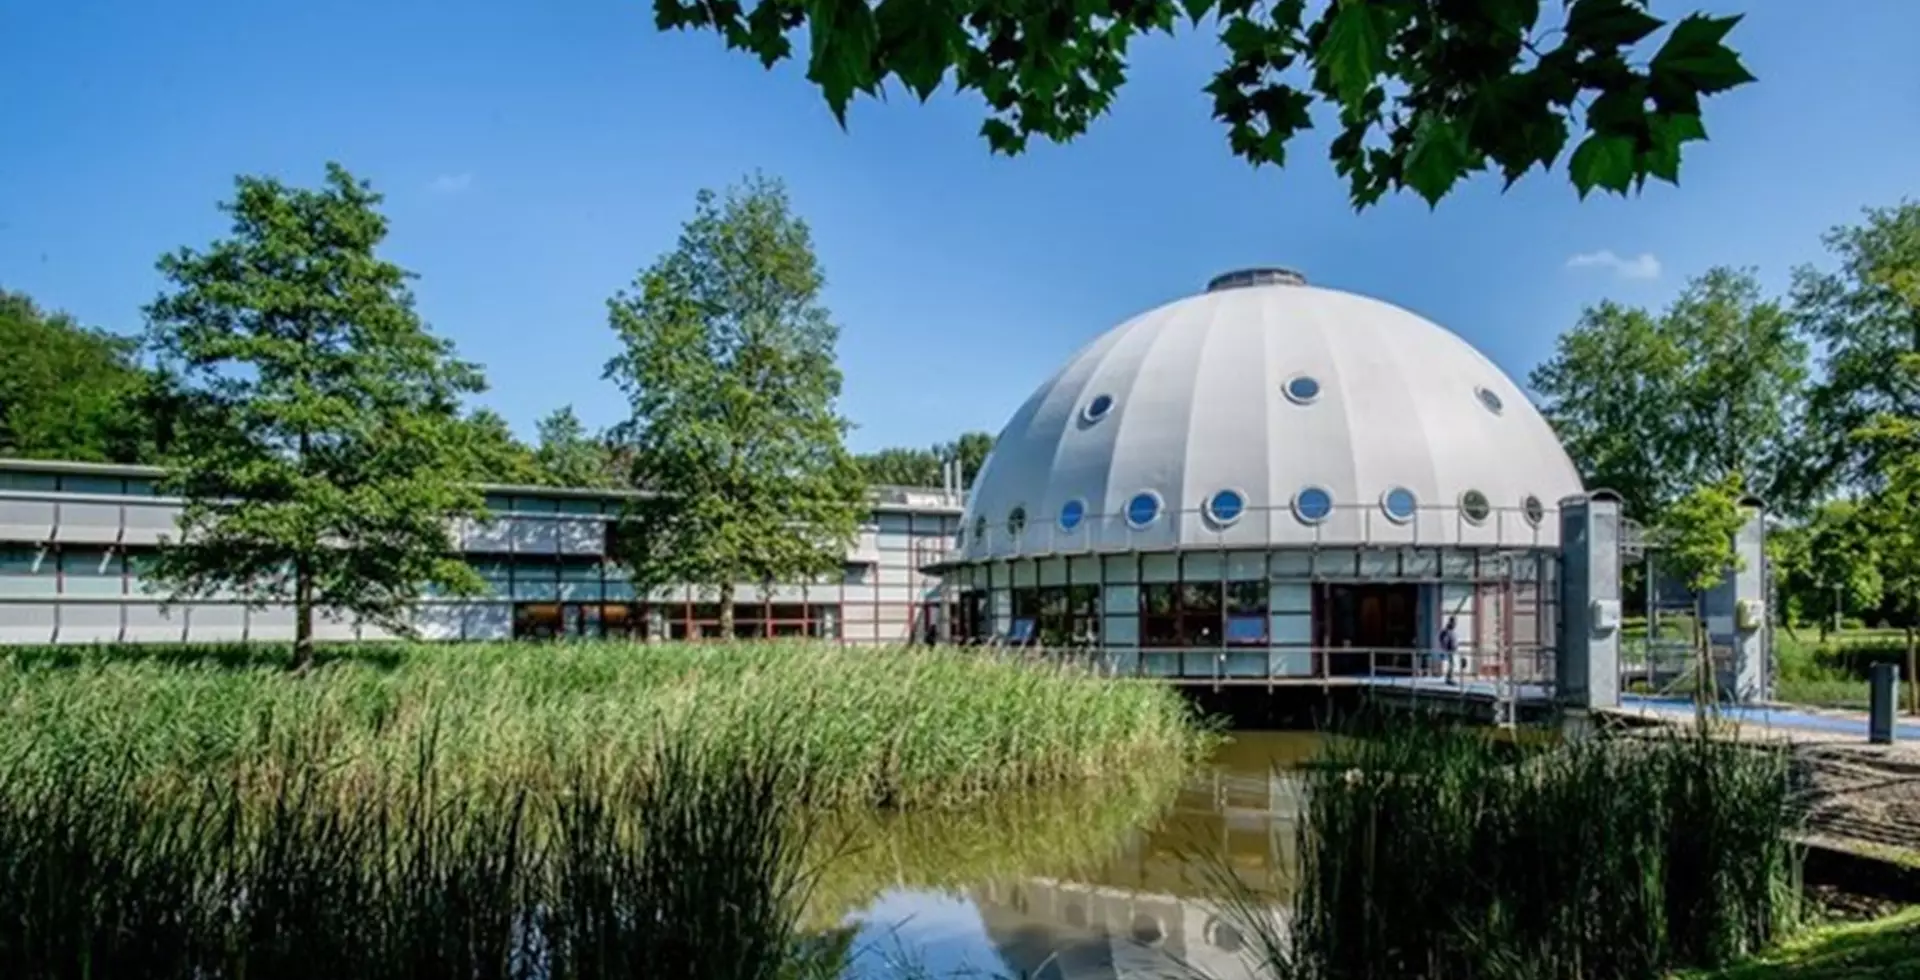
pixel 1884 949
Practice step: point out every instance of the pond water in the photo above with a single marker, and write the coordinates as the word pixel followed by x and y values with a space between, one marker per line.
pixel 1115 881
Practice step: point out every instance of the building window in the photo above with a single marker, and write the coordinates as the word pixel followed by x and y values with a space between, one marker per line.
pixel 1225 507
pixel 1098 408
pixel 1534 511
pixel 1399 504
pixel 1474 506
pixel 1071 514
pixel 1489 399
pixel 1301 389
pixel 1016 522
pixel 1312 505
pixel 1247 613
pixel 980 531
pixel 1143 508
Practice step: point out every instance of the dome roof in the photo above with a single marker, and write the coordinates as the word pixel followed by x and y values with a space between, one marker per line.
pixel 1265 411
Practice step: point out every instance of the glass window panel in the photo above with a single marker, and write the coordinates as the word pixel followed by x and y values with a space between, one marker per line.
pixel 1200 597
pixel 101 485
pixel 1247 597
pixel 22 559
pixel 1292 629
pixel 31 482
pixel 88 562
pixel 142 487
pixel 1159 568
pixel 536 505
pixel 499 503
pixel 1291 597
pixel 1204 565
pixel 1247 630
pixel 579 505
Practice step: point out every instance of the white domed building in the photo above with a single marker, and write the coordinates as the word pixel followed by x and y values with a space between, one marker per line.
pixel 1269 480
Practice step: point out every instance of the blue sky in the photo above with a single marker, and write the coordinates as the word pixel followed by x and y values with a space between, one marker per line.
pixel 534 156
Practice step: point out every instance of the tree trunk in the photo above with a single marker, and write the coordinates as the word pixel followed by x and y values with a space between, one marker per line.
pixel 726 610
pixel 302 616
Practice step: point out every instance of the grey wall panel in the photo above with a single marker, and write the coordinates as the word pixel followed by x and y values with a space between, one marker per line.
pixel 149 522
pixel 26 622
pixel 217 623
pixel 90 523
pixel 489 621
pixel 329 625
pixel 534 536
pixel 146 622
pixel 26 520
pixel 490 535
pixel 581 536
pixel 270 624
pixel 90 622
pixel 439 620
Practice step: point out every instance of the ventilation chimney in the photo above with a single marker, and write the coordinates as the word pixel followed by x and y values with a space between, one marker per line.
pixel 1272 275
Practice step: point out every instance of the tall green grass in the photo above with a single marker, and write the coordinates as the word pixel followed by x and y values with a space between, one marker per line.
pixel 1440 853
pixel 888 727
pixel 497 812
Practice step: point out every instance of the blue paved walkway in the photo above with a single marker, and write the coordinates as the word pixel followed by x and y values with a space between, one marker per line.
pixel 1764 716
pixel 1767 716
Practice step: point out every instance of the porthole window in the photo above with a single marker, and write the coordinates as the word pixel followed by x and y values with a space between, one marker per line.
pixel 980 530
pixel 1533 510
pixel 1016 521
pixel 1225 507
pixel 1489 399
pixel 1301 389
pixel 1143 508
pixel 1399 504
pixel 1474 506
pixel 1098 408
pixel 1071 514
pixel 1312 505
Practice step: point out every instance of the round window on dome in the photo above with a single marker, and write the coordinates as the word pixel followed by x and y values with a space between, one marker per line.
pixel 1399 504
pixel 1533 510
pixel 1301 389
pixel 1071 514
pixel 1225 507
pixel 1312 505
pixel 1143 508
pixel 1491 400
pixel 1474 506
pixel 1016 521
pixel 1098 408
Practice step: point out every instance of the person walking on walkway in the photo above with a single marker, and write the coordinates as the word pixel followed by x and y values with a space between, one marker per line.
pixel 1448 644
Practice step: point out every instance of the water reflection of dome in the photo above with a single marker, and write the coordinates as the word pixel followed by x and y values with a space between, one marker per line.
pixel 1071 931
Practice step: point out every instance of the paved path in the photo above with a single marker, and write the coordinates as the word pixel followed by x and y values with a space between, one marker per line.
pixel 1773 716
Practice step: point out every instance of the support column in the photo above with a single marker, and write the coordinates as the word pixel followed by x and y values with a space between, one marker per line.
pixel 1736 611
pixel 1588 646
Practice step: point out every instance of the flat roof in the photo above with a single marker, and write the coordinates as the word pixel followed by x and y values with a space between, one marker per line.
pixel 885 497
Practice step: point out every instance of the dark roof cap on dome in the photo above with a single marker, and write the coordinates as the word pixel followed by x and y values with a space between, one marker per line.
pixel 1271 275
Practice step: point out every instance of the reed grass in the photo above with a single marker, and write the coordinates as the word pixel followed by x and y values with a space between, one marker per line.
pixel 1440 853
pixel 869 727
pixel 498 812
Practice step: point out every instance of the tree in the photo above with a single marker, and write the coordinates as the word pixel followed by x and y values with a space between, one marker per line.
pixel 568 456
pixel 727 362
pixel 1698 548
pixel 330 462
pixel 69 392
pixel 1892 442
pixel 1826 565
pixel 921 467
pixel 491 453
pixel 1425 93
pixel 1652 406
pixel 1864 326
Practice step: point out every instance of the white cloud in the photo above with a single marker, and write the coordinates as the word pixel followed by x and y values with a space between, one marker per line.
pixel 450 183
pixel 1642 266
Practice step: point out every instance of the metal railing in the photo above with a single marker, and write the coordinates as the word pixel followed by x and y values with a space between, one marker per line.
pixel 1526 665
